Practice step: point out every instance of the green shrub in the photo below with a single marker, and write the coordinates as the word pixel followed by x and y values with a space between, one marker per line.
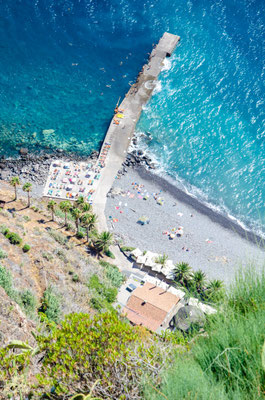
pixel 47 256
pixel 109 254
pixel 2 254
pixel 80 235
pixel 26 218
pixel 97 303
pixel 69 227
pixel 28 301
pixel 127 248
pixel 75 278
pixel 6 281
pixel 226 363
pixel 14 238
pixel 113 274
pixel 107 293
pixel 51 305
pixel 61 255
pixel 26 248
pixel 110 294
pixel 58 237
pixel 103 348
pixel 4 229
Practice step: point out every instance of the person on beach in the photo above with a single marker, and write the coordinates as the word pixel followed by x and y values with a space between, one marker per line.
pixel 118 110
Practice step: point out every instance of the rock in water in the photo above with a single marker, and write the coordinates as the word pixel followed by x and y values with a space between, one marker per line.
pixel 48 131
pixel 23 151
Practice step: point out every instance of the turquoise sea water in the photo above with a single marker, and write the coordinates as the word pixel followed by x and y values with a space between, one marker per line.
pixel 64 64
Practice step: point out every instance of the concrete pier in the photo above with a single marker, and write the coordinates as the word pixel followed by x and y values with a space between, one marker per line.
pixel 120 135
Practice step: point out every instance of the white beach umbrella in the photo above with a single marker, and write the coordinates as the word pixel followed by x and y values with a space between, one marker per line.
pixel 157 267
pixel 177 292
pixel 141 259
pixel 136 253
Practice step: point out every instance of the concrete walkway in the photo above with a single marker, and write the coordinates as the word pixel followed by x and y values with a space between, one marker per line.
pixel 120 135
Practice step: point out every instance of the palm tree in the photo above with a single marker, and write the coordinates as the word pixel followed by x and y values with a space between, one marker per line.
pixel 65 206
pixel 89 222
pixel 15 182
pixel 102 241
pixel 182 273
pixel 27 188
pixel 79 202
pixel 51 206
pixel 76 213
pixel 86 207
pixel 199 280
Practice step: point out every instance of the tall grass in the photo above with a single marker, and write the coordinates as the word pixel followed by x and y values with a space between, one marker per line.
pixel 227 363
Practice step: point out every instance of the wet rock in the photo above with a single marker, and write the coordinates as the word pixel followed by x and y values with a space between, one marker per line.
pixel 23 151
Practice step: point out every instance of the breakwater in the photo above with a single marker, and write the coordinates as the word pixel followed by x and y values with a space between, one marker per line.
pixel 120 135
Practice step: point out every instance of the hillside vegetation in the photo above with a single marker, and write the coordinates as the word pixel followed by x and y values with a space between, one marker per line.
pixel 226 363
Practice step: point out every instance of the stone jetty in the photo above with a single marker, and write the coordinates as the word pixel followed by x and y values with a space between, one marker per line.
pixel 121 134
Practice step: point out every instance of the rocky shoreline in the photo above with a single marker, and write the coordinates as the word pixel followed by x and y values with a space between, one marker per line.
pixel 35 167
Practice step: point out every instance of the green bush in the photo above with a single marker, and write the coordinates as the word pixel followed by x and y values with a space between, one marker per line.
pixel 13 238
pixel 58 237
pixel 51 305
pixel 113 274
pixel 6 281
pixel 28 301
pixel 26 218
pixel 110 294
pixel 47 256
pixel 107 293
pixel 109 254
pixel 4 229
pixel 2 254
pixel 97 303
pixel 103 348
pixel 75 278
pixel 127 248
pixel 26 248
pixel 80 235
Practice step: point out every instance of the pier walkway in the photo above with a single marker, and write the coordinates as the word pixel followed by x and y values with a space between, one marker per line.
pixel 119 136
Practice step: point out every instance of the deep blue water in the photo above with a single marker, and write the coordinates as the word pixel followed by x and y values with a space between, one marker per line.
pixel 205 126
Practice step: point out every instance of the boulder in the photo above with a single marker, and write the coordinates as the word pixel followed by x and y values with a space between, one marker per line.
pixel 23 151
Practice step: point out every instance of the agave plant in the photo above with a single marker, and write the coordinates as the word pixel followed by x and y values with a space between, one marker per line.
pixel 162 259
pixel 199 280
pixel 24 347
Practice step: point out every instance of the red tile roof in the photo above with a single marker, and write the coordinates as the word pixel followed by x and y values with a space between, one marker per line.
pixel 149 306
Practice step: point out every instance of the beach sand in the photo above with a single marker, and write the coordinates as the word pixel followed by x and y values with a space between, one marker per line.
pixel 215 244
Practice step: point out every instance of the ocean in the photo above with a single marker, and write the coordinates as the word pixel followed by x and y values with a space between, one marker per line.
pixel 65 64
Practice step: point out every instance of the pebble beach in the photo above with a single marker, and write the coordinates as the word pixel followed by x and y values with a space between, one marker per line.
pixel 208 241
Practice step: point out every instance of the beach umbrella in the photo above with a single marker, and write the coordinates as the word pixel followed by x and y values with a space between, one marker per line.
pixel 188 316
pixel 136 252
pixel 141 259
pixel 143 220
pixel 177 292
pixel 157 267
